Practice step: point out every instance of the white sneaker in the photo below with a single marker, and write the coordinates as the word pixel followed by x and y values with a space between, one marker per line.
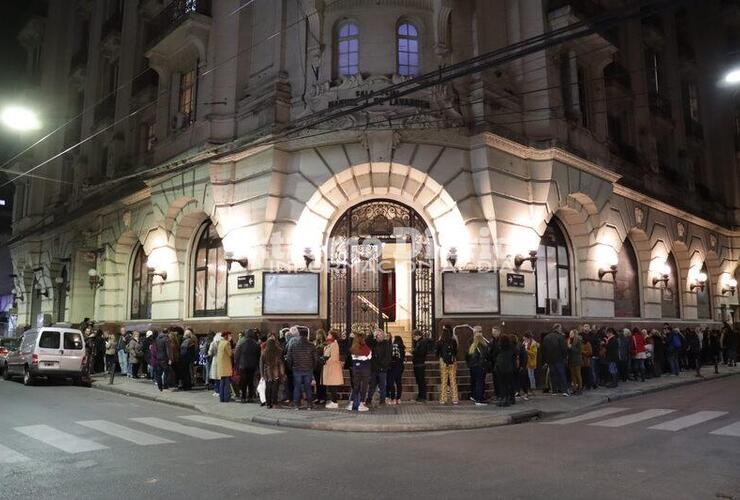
pixel 363 407
pixel 349 406
pixel 331 406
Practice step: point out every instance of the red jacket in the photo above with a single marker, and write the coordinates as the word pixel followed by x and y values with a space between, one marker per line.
pixel 637 343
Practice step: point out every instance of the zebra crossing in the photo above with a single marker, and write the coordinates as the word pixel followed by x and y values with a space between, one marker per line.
pixel 668 420
pixel 139 431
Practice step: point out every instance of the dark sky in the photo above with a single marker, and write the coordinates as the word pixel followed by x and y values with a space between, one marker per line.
pixel 15 13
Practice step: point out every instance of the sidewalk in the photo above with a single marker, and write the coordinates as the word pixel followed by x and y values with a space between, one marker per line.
pixel 408 417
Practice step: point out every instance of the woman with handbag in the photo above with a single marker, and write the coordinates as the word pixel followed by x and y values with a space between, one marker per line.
pixel 224 367
pixel 331 373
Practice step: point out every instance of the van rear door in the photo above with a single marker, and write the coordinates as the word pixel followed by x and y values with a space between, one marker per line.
pixel 73 350
pixel 49 350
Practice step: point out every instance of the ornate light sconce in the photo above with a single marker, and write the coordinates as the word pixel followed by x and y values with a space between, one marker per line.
pixel 700 283
pixel 96 281
pixel 610 270
pixel 731 287
pixel 230 259
pixel 520 259
pixel 665 274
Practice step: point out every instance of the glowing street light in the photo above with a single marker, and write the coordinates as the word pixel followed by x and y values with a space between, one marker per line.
pixel 20 118
pixel 733 77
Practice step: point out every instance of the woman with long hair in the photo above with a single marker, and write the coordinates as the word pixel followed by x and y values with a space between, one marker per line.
pixel 395 372
pixel 575 358
pixel 331 373
pixel 361 359
pixel 272 370
pixel 447 355
pixel 476 359
pixel 320 342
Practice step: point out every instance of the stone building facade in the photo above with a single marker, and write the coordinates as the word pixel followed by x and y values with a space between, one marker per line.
pixel 612 150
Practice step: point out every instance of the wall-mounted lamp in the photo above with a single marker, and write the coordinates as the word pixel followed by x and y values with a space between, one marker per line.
pixel 96 281
pixel 610 270
pixel 230 259
pixel 700 283
pixel 45 292
pixel 452 256
pixel 731 287
pixel 665 274
pixel 153 272
pixel 60 282
pixel 308 257
pixel 17 294
pixel 520 259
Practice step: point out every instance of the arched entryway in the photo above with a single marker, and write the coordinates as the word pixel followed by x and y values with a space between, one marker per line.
pixel 381 270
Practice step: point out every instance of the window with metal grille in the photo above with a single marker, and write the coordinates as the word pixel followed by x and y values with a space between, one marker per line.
pixel 210 275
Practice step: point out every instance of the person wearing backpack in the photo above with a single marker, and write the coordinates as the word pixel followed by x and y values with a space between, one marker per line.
pixel 447 354
pixel 395 373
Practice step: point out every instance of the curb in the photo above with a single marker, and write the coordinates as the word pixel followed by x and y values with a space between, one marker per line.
pixel 349 426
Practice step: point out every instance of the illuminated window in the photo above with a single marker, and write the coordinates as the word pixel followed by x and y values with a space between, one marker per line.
pixel 141 287
pixel 553 273
pixel 408 49
pixel 210 278
pixel 348 49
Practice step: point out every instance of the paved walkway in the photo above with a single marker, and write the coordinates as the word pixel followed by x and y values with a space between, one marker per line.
pixel 408 417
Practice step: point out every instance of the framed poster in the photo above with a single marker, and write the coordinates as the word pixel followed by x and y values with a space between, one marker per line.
pixel 470 293
pixel 290 294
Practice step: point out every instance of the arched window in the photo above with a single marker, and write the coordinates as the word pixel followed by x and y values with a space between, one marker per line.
pixel 209 290
pixel 141 287
pixel 553 273
pixel 670 304
pixel 627 284
pixel 408 49
pixel 348 49
pixel 60 304
pixel 703 304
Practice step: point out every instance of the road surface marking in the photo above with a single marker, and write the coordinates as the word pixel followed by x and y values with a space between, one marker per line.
pixel 730 430
pixel 633 418
pixel 688 421
pixel 169 426
pixel 58 439
pixel 603 412
pixel 125 433
pixel 8 456
pixel 227 424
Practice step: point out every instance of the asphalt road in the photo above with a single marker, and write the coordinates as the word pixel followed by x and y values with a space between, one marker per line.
pixel 70 442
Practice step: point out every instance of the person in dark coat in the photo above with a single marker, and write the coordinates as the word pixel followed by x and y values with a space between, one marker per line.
pixel 612 356
pixel 420 349
pixel 248 359
pixel 188 354
pixel 505 369
pixel 714 349
pixel 555 354
pixel 302 359
pixel 379 366
pixel 162 346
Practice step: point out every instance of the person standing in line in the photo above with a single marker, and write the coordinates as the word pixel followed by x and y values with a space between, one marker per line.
pixel 395 372
pixel 419 351
pixel 623 366
pixel 122 341
pixel 290 335
pixel 715 349
pixel 302 359
pixel 212 353
pixel 319 342
pixel 173 375
pixel 658 352
pixel 146 367
pixel 612 356
pixel 272 370
pixel 694 351
pixel 532 347
pixel 446 353
pixel 637 352
pixel 164 361
pixel 224 367
pixel 673 350
pixel 596 361
pixel 575 352
pixel 649 349
pixel 99 351
pixel 188 352
pixel 555 354
pixel 586 354
pixel 152 353
pixel 331 372
pixel 110 354
pixel 380 364
pixel 248 359
pixel 133 349
pixel 361 359
pixel 504 368
pixel 476 359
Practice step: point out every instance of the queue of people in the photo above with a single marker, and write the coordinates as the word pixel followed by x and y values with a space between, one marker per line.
pixel 310 372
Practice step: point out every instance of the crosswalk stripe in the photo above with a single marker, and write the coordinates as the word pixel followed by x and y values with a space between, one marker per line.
pixel 8 456
pixel 688 421
pixel 125 433
pixel 730 430
pixel 603 412
pixel 58 439
pixel 169 426
pixel 633 418
pixel 227 424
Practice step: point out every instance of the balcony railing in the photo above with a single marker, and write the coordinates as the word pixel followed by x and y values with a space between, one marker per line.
pixel 172 16
pixel 145 80
pixel 79 58
pixel 111 25
pixel 660 105
pixel 615 73
pixel 105 109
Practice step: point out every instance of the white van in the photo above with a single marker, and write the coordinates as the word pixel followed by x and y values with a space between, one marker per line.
pixel 49 352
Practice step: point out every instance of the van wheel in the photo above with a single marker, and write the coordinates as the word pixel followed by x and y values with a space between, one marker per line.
pixel 27 377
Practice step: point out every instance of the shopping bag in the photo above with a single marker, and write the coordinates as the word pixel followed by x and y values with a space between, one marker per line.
pixel 261 388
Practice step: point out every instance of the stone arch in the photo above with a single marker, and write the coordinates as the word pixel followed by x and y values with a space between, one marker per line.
pixel 114 298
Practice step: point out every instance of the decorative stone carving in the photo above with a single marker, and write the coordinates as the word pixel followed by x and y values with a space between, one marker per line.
pixel 680 230
pixel 126 219
pixel 713 241
pixel 639 216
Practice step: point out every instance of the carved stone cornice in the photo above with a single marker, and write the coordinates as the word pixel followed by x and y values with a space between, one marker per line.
pixel 409 4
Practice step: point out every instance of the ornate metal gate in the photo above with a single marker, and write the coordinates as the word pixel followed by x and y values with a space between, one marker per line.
pixel 355 252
